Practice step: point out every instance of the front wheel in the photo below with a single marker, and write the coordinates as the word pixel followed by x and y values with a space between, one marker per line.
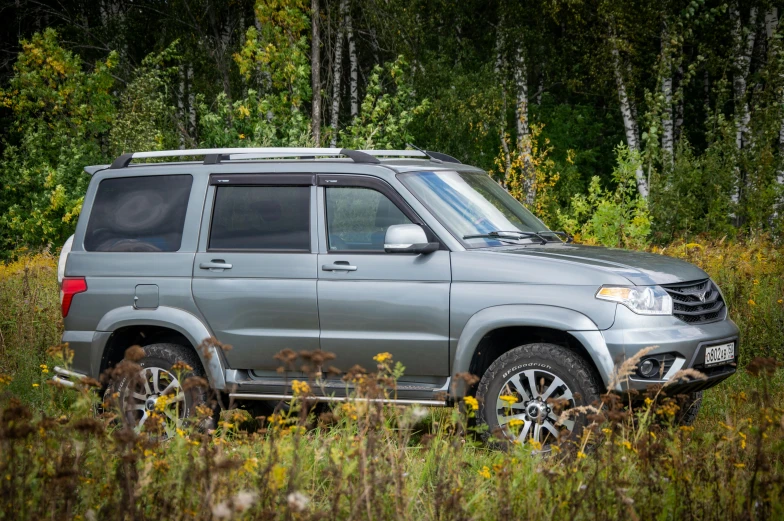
pixel 523 393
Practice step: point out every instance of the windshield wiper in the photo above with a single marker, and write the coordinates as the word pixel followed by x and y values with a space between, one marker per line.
pixel 506 235
pixel 569 238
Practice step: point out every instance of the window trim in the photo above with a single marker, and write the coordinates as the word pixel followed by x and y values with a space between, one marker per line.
pixel 358 181
pixel 153 176
pixel 260 181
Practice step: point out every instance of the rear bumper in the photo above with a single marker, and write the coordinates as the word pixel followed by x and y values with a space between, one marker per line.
pixel 87 347
pixel 686 342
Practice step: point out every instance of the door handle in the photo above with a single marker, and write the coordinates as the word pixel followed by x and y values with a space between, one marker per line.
pixel 215 264
pixel 338 266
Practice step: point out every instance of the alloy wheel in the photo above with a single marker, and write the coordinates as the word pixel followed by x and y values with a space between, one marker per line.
pixel 526 407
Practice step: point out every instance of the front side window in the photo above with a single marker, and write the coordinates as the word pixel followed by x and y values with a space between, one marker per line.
pixel 358 218
pixel 275 218
pixel 138 214
pixel 470 204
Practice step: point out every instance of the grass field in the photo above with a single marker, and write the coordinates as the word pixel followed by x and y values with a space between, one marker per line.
pixel 58 460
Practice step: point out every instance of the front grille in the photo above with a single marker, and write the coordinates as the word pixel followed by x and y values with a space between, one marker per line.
pixel 696 302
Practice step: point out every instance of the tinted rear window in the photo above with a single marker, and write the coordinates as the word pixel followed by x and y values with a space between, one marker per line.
pixel 261 218
pixel 139 214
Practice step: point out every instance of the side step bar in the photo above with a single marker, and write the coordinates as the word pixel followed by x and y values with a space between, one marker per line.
pixel 64 377
pixel 285 397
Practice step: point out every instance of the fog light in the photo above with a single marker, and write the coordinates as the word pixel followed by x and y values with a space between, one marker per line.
pixel 648 368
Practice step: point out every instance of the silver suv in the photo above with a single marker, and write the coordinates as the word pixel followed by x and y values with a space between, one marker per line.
pixel 363 252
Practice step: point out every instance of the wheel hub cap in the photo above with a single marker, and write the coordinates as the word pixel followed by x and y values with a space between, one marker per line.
pixel 156 390
pixel 526 408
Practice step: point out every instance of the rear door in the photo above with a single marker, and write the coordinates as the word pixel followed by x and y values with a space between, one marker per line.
pixel 254 277
pixel 371 301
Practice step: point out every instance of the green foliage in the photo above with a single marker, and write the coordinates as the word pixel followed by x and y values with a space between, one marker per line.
pixel 619 218
pixel 387 111
pixel 145 117
pixel 61 114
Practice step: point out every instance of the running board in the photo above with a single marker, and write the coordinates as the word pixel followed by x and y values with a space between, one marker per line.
pixel 286 397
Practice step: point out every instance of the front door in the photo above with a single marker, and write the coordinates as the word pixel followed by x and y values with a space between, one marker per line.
pixel 254 278
pixel 371 301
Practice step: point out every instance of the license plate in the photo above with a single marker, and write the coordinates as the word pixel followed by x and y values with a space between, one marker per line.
pixel 718 355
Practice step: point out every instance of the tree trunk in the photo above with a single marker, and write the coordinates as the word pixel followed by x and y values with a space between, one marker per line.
pixel 681 100
pixel 523 131
pixel 499 70
pixel 315 72
pixel 191 104
pixel 668 131
pixel 627 111
pixel 743 50
pixel 353 65
pixel 337 73
pixel 181 105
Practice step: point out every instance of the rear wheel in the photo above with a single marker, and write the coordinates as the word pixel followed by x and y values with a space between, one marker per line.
pixel 523 393
pixel 158 388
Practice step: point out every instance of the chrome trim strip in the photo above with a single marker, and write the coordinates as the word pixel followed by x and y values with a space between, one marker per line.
pixel 676 366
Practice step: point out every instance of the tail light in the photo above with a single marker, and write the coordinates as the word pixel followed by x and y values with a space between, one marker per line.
pixel 71 286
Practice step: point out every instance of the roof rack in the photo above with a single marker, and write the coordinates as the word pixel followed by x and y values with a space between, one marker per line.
pixel 216 155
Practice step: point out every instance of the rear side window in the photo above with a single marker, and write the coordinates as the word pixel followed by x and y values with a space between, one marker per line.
pixel 273 218
pixel 139 214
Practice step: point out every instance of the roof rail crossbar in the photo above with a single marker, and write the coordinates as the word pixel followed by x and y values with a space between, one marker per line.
pixel 216 155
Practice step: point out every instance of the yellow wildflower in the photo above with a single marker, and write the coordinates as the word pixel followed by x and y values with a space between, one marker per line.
pixel 242 136
pixel 471 402
pixel 485 472
pixel 300 388
pixel 780 301
pixel 516 423
pixel 648 401
pixel 509 400
pixel 535 444
pixel 382 357
pixel 740 465
pixel 752 303
pixel 35 385
pixel 580 455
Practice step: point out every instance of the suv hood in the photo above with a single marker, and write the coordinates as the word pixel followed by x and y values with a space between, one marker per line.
pixel 642 269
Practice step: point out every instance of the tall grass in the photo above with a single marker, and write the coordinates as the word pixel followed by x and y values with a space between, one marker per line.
pixel 59 460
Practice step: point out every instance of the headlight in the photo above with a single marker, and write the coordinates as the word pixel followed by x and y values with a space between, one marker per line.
pixel 643 300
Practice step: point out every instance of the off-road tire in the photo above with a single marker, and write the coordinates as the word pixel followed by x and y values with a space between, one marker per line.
pixel 562 362
pixel 164 356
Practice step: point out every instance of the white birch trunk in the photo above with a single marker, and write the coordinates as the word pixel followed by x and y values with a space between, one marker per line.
pixel 523 131
pixel 353 65
pixel 181 105
pixel 627 112
pixel 681 99
pixel 191 103
pixel 337 72
pixel 743 50
pixel 499 70
pixel 315 71
pixel 668 131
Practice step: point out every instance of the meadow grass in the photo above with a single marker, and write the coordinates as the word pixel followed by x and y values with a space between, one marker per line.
pixel 61 460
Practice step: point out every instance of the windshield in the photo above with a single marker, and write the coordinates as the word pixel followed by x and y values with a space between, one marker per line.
pixel 471 203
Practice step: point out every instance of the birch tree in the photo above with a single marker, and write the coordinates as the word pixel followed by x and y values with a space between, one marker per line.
pixel 628 111
pixel 743 40
pixel 353 65
pixel 315 71
pixel 500 63
pixel 337 73
pixel 668 131
pixel 523 130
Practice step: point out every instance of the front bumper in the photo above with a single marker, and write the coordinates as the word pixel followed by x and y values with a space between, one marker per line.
pixel 686 342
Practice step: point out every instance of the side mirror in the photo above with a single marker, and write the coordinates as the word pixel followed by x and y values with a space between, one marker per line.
pixel 408 238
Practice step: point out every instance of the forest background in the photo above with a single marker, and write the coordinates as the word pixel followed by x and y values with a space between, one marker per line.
pixel 624 123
